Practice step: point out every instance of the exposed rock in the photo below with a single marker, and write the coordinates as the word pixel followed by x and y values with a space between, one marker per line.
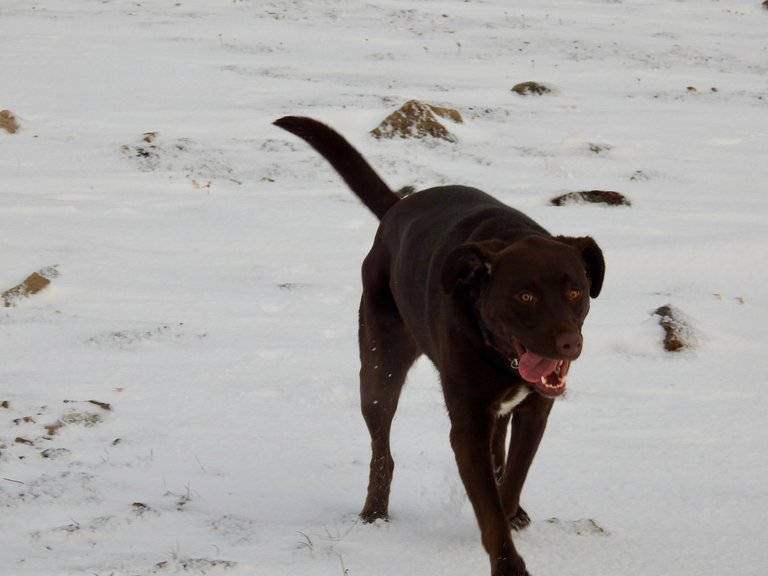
pixel 678 333
pixel 8 122
pixel 608 197
pixel 31 285
pixel 418 120
pixel 598 148
pixel 526 88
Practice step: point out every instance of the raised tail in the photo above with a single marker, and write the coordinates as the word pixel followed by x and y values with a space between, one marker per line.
pixel 347 161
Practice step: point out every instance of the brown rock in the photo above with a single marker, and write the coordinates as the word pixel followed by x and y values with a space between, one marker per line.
pixel 8 121
pixel 526 88
pixel 31 285
pixel 417 120
pixel 678 333
pixel 592 197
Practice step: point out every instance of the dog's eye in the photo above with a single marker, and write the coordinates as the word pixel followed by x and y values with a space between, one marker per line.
pixel 526 297
pixel 574 294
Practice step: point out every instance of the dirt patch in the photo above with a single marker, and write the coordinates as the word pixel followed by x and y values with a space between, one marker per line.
pixel 193 565
pixel 596 148
pixel 31 430
pixel 418 120
pixel 639 176
pixel 86 419
pixel 583 527
pixel 200 164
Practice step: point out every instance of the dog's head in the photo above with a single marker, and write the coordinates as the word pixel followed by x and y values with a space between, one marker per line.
pixel 530 299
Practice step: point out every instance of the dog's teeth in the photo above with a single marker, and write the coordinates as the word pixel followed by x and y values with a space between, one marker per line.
pixel 557 385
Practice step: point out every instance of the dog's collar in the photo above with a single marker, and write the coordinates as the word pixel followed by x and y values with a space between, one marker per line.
pixel 514 363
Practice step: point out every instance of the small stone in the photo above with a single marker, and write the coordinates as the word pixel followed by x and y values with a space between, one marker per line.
pixel 608 197
pixel 678 333
pixel 8 122
pixel 31 285
pixel 526 88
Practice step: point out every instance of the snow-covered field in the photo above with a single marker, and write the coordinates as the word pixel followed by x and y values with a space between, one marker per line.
pixel 207 283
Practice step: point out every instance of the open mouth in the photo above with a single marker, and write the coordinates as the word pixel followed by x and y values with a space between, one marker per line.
pixel 546 375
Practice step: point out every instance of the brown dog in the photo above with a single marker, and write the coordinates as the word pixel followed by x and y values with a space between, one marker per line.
pixel 493 300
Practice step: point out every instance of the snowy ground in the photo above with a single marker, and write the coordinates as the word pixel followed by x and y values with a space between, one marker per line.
pixel 208 282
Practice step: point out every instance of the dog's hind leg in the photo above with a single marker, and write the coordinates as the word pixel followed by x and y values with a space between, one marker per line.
pixel 387 351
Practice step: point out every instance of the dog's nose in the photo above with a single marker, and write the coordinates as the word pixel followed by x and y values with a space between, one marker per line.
pixel 569 345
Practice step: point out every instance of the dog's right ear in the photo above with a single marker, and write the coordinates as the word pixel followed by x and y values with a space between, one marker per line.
pixel 466 267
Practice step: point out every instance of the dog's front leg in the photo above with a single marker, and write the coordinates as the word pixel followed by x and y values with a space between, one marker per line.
pixel 471 433
pixel 499 446
pixel 529 421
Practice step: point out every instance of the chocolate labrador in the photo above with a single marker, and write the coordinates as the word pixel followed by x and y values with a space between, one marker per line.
pixel 494 301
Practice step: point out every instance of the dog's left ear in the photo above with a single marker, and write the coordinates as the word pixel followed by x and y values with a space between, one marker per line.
pixel 593 261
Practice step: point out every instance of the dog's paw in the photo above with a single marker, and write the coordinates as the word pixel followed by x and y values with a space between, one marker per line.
pixel 510 567
pixel 373 516
pixel 520 520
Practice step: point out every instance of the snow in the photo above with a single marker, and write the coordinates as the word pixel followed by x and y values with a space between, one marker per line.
pixel 209 295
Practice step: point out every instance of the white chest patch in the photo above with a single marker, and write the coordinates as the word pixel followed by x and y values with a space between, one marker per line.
pixel 507 406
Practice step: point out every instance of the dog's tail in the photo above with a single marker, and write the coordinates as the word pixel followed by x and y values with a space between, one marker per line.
pixel 347 161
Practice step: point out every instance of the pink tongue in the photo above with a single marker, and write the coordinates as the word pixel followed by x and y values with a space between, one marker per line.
pixel 533 367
